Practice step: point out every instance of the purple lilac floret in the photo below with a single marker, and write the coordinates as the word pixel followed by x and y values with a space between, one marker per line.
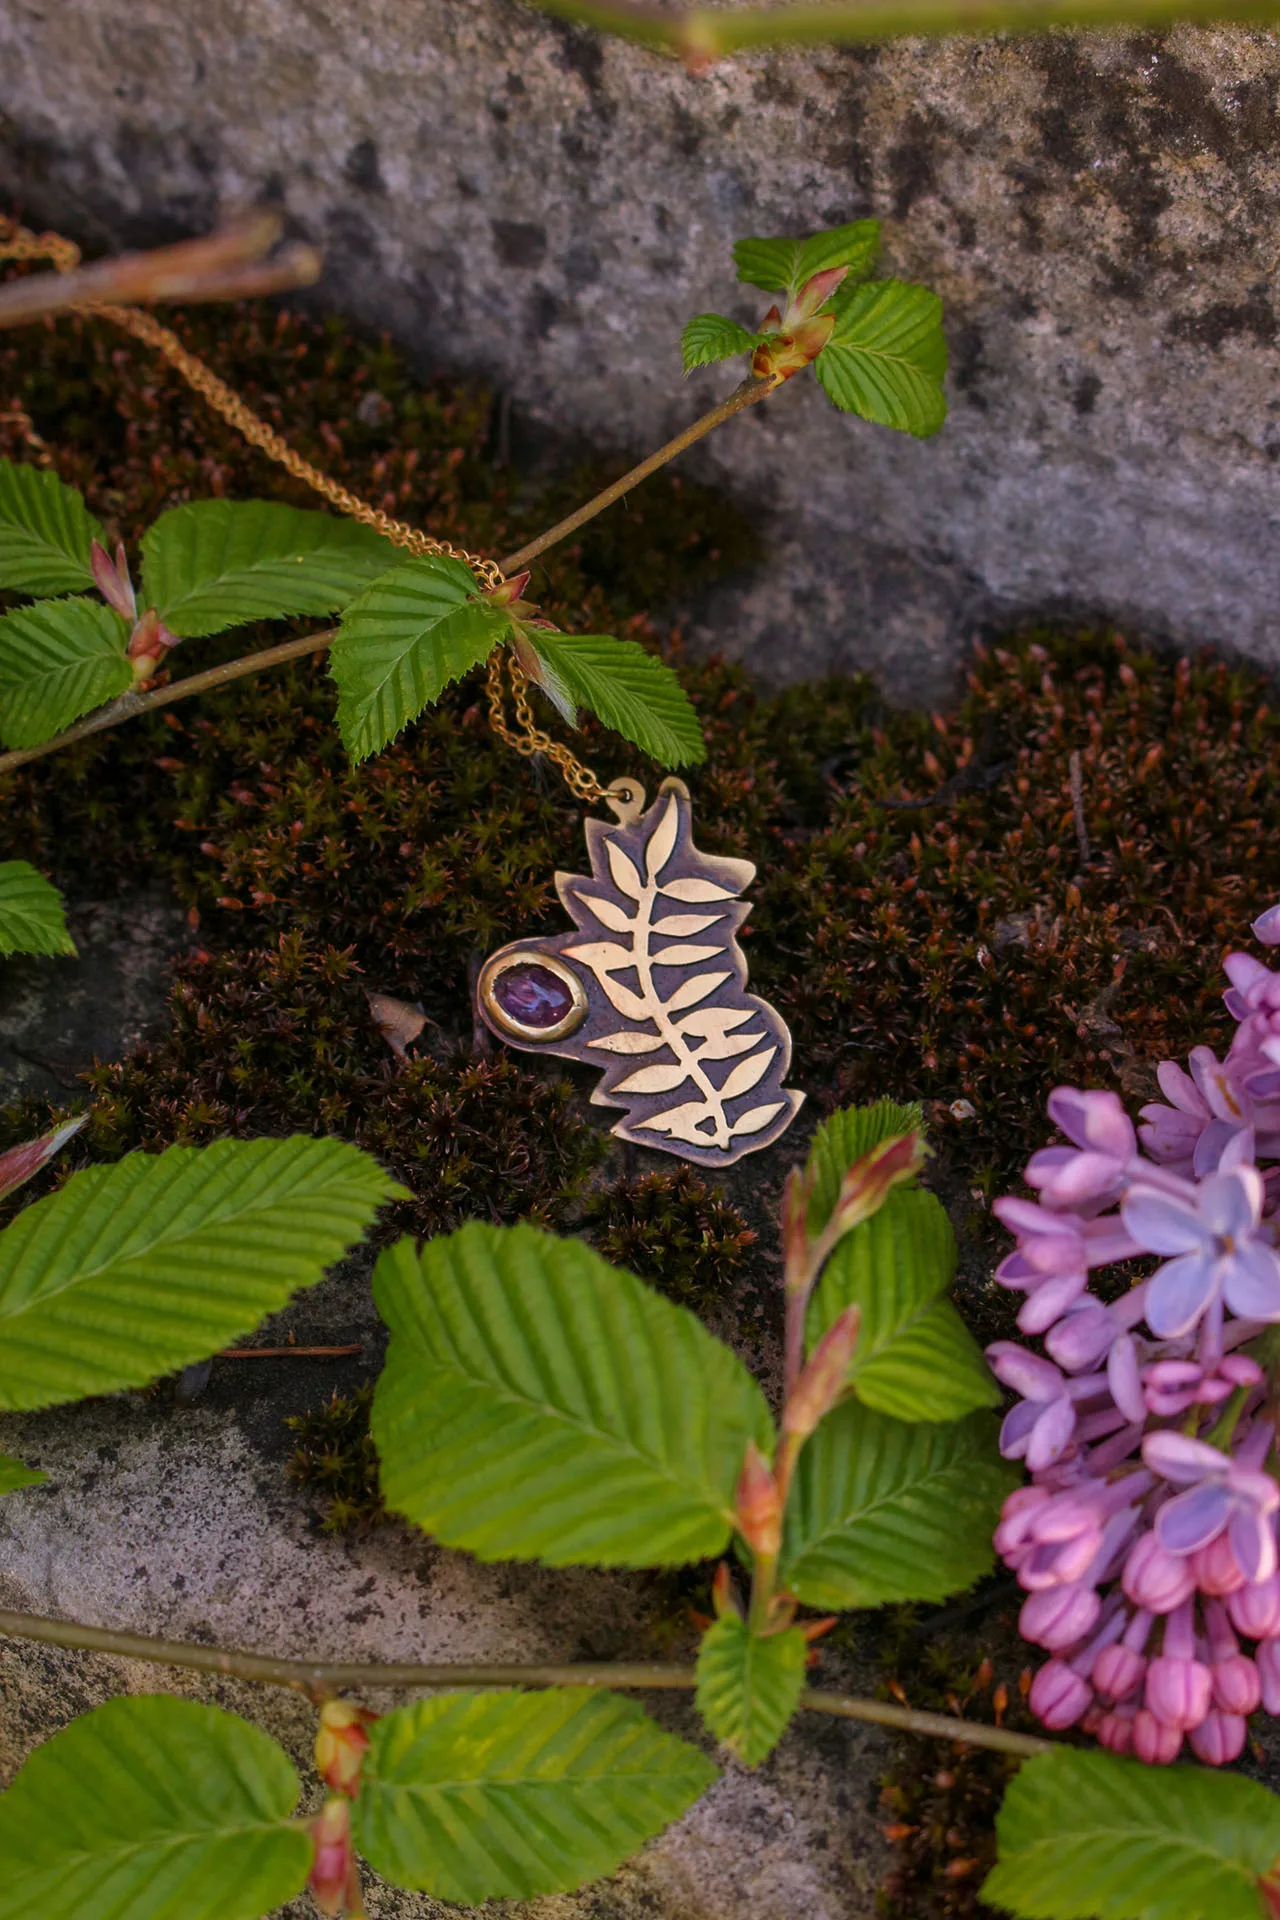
pixel 1146 1541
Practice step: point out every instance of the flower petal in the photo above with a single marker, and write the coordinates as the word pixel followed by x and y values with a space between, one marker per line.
pixel 1046 1302
pixel 1177 1457
pixel 1162 1224
pixel 1095 1120
pixel 1231 1203
pixel 1179 1292
pixel 1181 1090
pixel 1253 1542
pixel 1051 1435
pixel 1125 1380
pixel 1192 1519
pixel 1017 1428
pixel 1026 1373
pixel 1251 1283
pixel 1266 927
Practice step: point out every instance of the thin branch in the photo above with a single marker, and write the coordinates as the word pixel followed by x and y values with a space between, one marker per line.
pixel 701 35
pixel 131 703
pixel 320 1678
pixel 287 1353
pixel 742 396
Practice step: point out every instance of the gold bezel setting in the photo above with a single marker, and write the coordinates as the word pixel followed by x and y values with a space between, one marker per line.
pixel 501 963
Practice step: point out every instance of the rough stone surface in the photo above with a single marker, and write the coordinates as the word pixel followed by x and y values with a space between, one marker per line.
pixel 519 197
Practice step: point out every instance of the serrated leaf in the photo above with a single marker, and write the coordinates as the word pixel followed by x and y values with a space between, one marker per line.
pixel 132 1270
pixel 14 1476
pixel 45 533
pixel 770 264
pixel 631 690
pixel 33 918
pixel 883 1510
pixel 58 660
pixel 492 1796
pixel 749 1686
pixel 1088 1836
pixel 709 337
pixel 854 245
pixel 402 642
pixel 152 1808
pixel 223 563
pixel 915 1358
pixel 846 1137
pixel 887 357
pixel 538 1403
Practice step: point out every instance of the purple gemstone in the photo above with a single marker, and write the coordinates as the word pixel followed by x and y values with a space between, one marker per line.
pixel 532 995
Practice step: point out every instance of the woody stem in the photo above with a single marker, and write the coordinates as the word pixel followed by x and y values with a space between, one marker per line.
pixel 320 1678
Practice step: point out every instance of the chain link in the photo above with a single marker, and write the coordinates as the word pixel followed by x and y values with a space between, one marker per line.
pixel 19 244
pixel 580 780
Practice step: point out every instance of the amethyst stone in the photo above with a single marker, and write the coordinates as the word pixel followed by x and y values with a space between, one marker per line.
pixel 532 995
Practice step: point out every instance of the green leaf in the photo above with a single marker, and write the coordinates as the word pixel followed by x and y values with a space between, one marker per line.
pixel 771 264
pixel 846 1137
pixel 13 1475
pixel 493 1796
pixel 1088 1836
pixel 129 1271
pixel 402 642
pixel 854 246
pixel 710 336
pixel 32 916
pixel 886 357
pixel 45 532
pixel 882 1510
pixel 538 1403
pixel 631 690
pixel 155 1809
pixel 749 1686
pixel 915 1358
pixel 58 660
pixel 223 563
pixel 783 266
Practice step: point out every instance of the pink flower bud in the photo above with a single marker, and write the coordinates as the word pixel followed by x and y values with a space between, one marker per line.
pixel 1179 1692
pixel 1059 1616
pixel 1155 1743
pixel 1155 1579
pixel 1115 1731
pixel 1059 1697
pixel 1216 1568
pixel 1255 1609
pixel 1219 1739
pixel 1267 1661
pixel 1118 1672
pixel 1237 1687
pixel 1013 1531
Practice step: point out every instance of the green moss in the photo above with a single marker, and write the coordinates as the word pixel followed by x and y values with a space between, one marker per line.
pixel 335 1458
pixel 676 1231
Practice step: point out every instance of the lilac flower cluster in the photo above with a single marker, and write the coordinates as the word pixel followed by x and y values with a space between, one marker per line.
pixel 1147 1539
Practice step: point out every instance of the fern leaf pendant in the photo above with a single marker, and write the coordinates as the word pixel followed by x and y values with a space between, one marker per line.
pixel 651 988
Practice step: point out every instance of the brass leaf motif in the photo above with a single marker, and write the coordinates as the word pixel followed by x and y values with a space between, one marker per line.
pixel 669 1013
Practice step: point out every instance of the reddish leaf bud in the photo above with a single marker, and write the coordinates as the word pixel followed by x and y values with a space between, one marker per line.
pixel 783 354
pixel 759 1510
pixel 813 293
pixel 112 580
pixel 722 1593
pixel 335 1879
pixel 20 1163
pixel 341 1744
pixel 509 591
pixel 822 1380
pixel 869 1181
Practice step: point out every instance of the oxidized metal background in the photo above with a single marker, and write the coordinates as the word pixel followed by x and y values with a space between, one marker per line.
pixel 656 986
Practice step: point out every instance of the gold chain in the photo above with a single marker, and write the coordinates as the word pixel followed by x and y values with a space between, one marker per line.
pixel 20 244
pixel 580 780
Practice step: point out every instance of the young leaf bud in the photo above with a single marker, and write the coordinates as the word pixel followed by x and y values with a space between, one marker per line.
pixel 759 1510
pixel 341 1744
pixel 335 1878
pixel 783 354
pixel 112 580
pixel 722 1593
pixel 507 592
pixel 869 1181
pixel 822 1381
pixel 813 293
